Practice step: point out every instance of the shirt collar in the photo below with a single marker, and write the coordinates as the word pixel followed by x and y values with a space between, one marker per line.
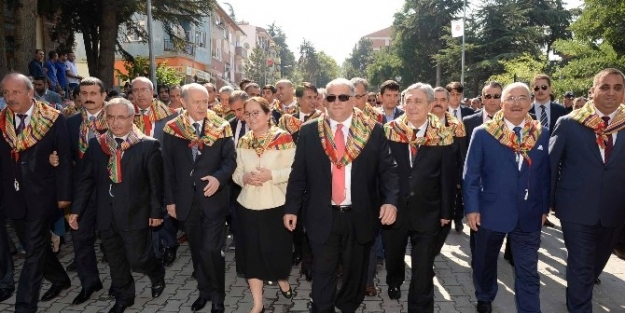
pixel 512 126
pixel 125 137
pixel 601 114
pixel 89 115
pixel 194 121
pixel 346 123
pixel 538 104
pixel 284 106
pixel 420 128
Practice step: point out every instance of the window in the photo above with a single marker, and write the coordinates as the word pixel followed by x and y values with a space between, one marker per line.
pixel 200 38
pixel 132 36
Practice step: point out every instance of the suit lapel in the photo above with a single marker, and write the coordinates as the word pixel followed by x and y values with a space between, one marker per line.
pixel 590 138
pixel 618 146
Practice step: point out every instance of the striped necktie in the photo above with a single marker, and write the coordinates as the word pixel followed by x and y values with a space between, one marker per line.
pixel 543 116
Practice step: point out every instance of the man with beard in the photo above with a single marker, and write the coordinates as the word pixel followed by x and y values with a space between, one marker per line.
pixel 43 94
pixel 124 168
pixel 459 111
pixel 506 192
pixel 286 103
pixel 199 162
pixel 339 191
pixel 89 124
pixel 422 148
pixel 33 190
pixel 361 98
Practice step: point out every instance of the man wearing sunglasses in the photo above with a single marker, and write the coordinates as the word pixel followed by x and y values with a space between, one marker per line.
pixel 455 97
pixel 545 110
pixel 389 91
pixel 337 192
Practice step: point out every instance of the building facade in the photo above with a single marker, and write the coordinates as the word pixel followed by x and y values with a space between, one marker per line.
pixel 260 37
pixel 381 39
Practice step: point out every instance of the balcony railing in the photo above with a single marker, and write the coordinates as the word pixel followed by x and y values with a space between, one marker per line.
pixel 188 48
pixel 240 52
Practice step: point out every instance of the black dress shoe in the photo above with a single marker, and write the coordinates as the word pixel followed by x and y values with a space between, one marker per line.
pixel 394 293
pixel 484 307
pixel 459 226
pixel 121 306
pixel 54 291
pixel 307 274
pixel 548 223
pixel 287 294
pixel 158 287
pixel 169 256
pixel 199 304
pixel 86 293
pixel 218 308
pixel 5 294
pixel 72 266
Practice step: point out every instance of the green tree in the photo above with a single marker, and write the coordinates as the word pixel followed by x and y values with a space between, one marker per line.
pixel 359 59
pixel 602 20
pixel 329 69
pixel 141 67
pixel 386 65
pixel 256 67
pixel 522 68
pixel 308 62
pixel 287 58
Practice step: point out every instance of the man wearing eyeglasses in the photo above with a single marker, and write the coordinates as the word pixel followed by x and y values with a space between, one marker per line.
pixel 506 192
pixel 337 191
pixel 361 99
pixel 389 91
pixel 455 98
pixel 545 110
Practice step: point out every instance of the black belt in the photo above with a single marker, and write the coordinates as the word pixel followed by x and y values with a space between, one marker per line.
pixel 342 208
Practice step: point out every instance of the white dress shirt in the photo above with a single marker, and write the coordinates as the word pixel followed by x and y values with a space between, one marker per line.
pixel 290 105
pixel 485 117
pixel 237 130
pixel 348 169
pixel 192 121
pixel 458 113
pixel 612 115
pixel 519 157
pixel 29 115
pixel 420 133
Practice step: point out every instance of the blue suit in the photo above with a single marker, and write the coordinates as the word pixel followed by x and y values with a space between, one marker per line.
pixel 588 198
pixel 510 201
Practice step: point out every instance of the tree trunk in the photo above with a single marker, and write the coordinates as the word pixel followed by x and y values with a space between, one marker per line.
pixel 25 33
pixel 108 39
pixel 3 46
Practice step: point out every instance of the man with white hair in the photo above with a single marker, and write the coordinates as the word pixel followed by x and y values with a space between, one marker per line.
pixel 224 100
pixel 124 168
pixel 150 114
pixel 199 161
pixel 342 168
pixel 506 191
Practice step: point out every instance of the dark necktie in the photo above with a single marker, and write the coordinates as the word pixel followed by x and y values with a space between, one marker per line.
pixel 242 129
pixel 306 117
pixel 456 114
pixel 517 131
pixel 194 149
pixel 143 111
pixel 609 144
pixel 119 142
pixel 22 123
pixel 543 116
pixel 489 117
pixel 413 149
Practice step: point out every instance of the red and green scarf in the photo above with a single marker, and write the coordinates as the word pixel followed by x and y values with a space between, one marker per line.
pixel 274 139
pixel 436 134
pixel 158 111
pixel 98 125
pixel 42 119
pixel 109 147
pixel 215 128
pixel 292 110
pixel 507 137
pixel 588 117
pixel 372 113
pixel 358 136
pixel 456 126
pixel 292 124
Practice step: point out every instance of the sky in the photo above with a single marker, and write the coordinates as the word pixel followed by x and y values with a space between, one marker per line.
pixel 332 26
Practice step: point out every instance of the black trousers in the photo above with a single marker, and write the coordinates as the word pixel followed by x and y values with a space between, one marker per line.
pixel 84 249
pixel 421 292
pixel 206 239
pixel 343 247
pixel 439 241
pixel 6 260
pixel 128 251
pixel 40 263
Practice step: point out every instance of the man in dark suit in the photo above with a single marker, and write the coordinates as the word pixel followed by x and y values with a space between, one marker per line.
pixel 199 162
pixel 389 92
pixel 427 175
pixel 32 189
pixel 506 191
pixel 587 162
pixel 124 168
pixel 340 188
pixel 82 127
pixel 546 111
pixel 455 97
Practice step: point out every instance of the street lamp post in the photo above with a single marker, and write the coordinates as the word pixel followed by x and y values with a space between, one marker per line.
pixel 151 44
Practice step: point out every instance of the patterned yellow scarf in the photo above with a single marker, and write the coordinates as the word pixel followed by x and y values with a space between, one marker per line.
pixel 217 108
pixel 292 124
pixel 292 110
pixel 274 139
pixel 506 136
pixel 109 147
pixel 359 134
pixel 456 126
pixel 588 117
pixel 96 127
pixel 158 111
pixel 214 128
pixel 372 113
pixel 42 119
pixel 436 133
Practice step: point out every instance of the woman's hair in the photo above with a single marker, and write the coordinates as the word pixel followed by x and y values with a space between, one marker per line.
pixel 264 105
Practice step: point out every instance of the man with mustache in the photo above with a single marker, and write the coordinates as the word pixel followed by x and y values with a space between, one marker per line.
pixel 506 191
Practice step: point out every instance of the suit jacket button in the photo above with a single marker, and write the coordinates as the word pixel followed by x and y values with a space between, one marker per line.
pixel 409 177
pixel 412 193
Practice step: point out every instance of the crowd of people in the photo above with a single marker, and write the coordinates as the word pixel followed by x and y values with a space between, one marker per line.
pixel 332 179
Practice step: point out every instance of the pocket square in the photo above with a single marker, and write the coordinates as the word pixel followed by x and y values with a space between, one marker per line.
pixel 540 147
